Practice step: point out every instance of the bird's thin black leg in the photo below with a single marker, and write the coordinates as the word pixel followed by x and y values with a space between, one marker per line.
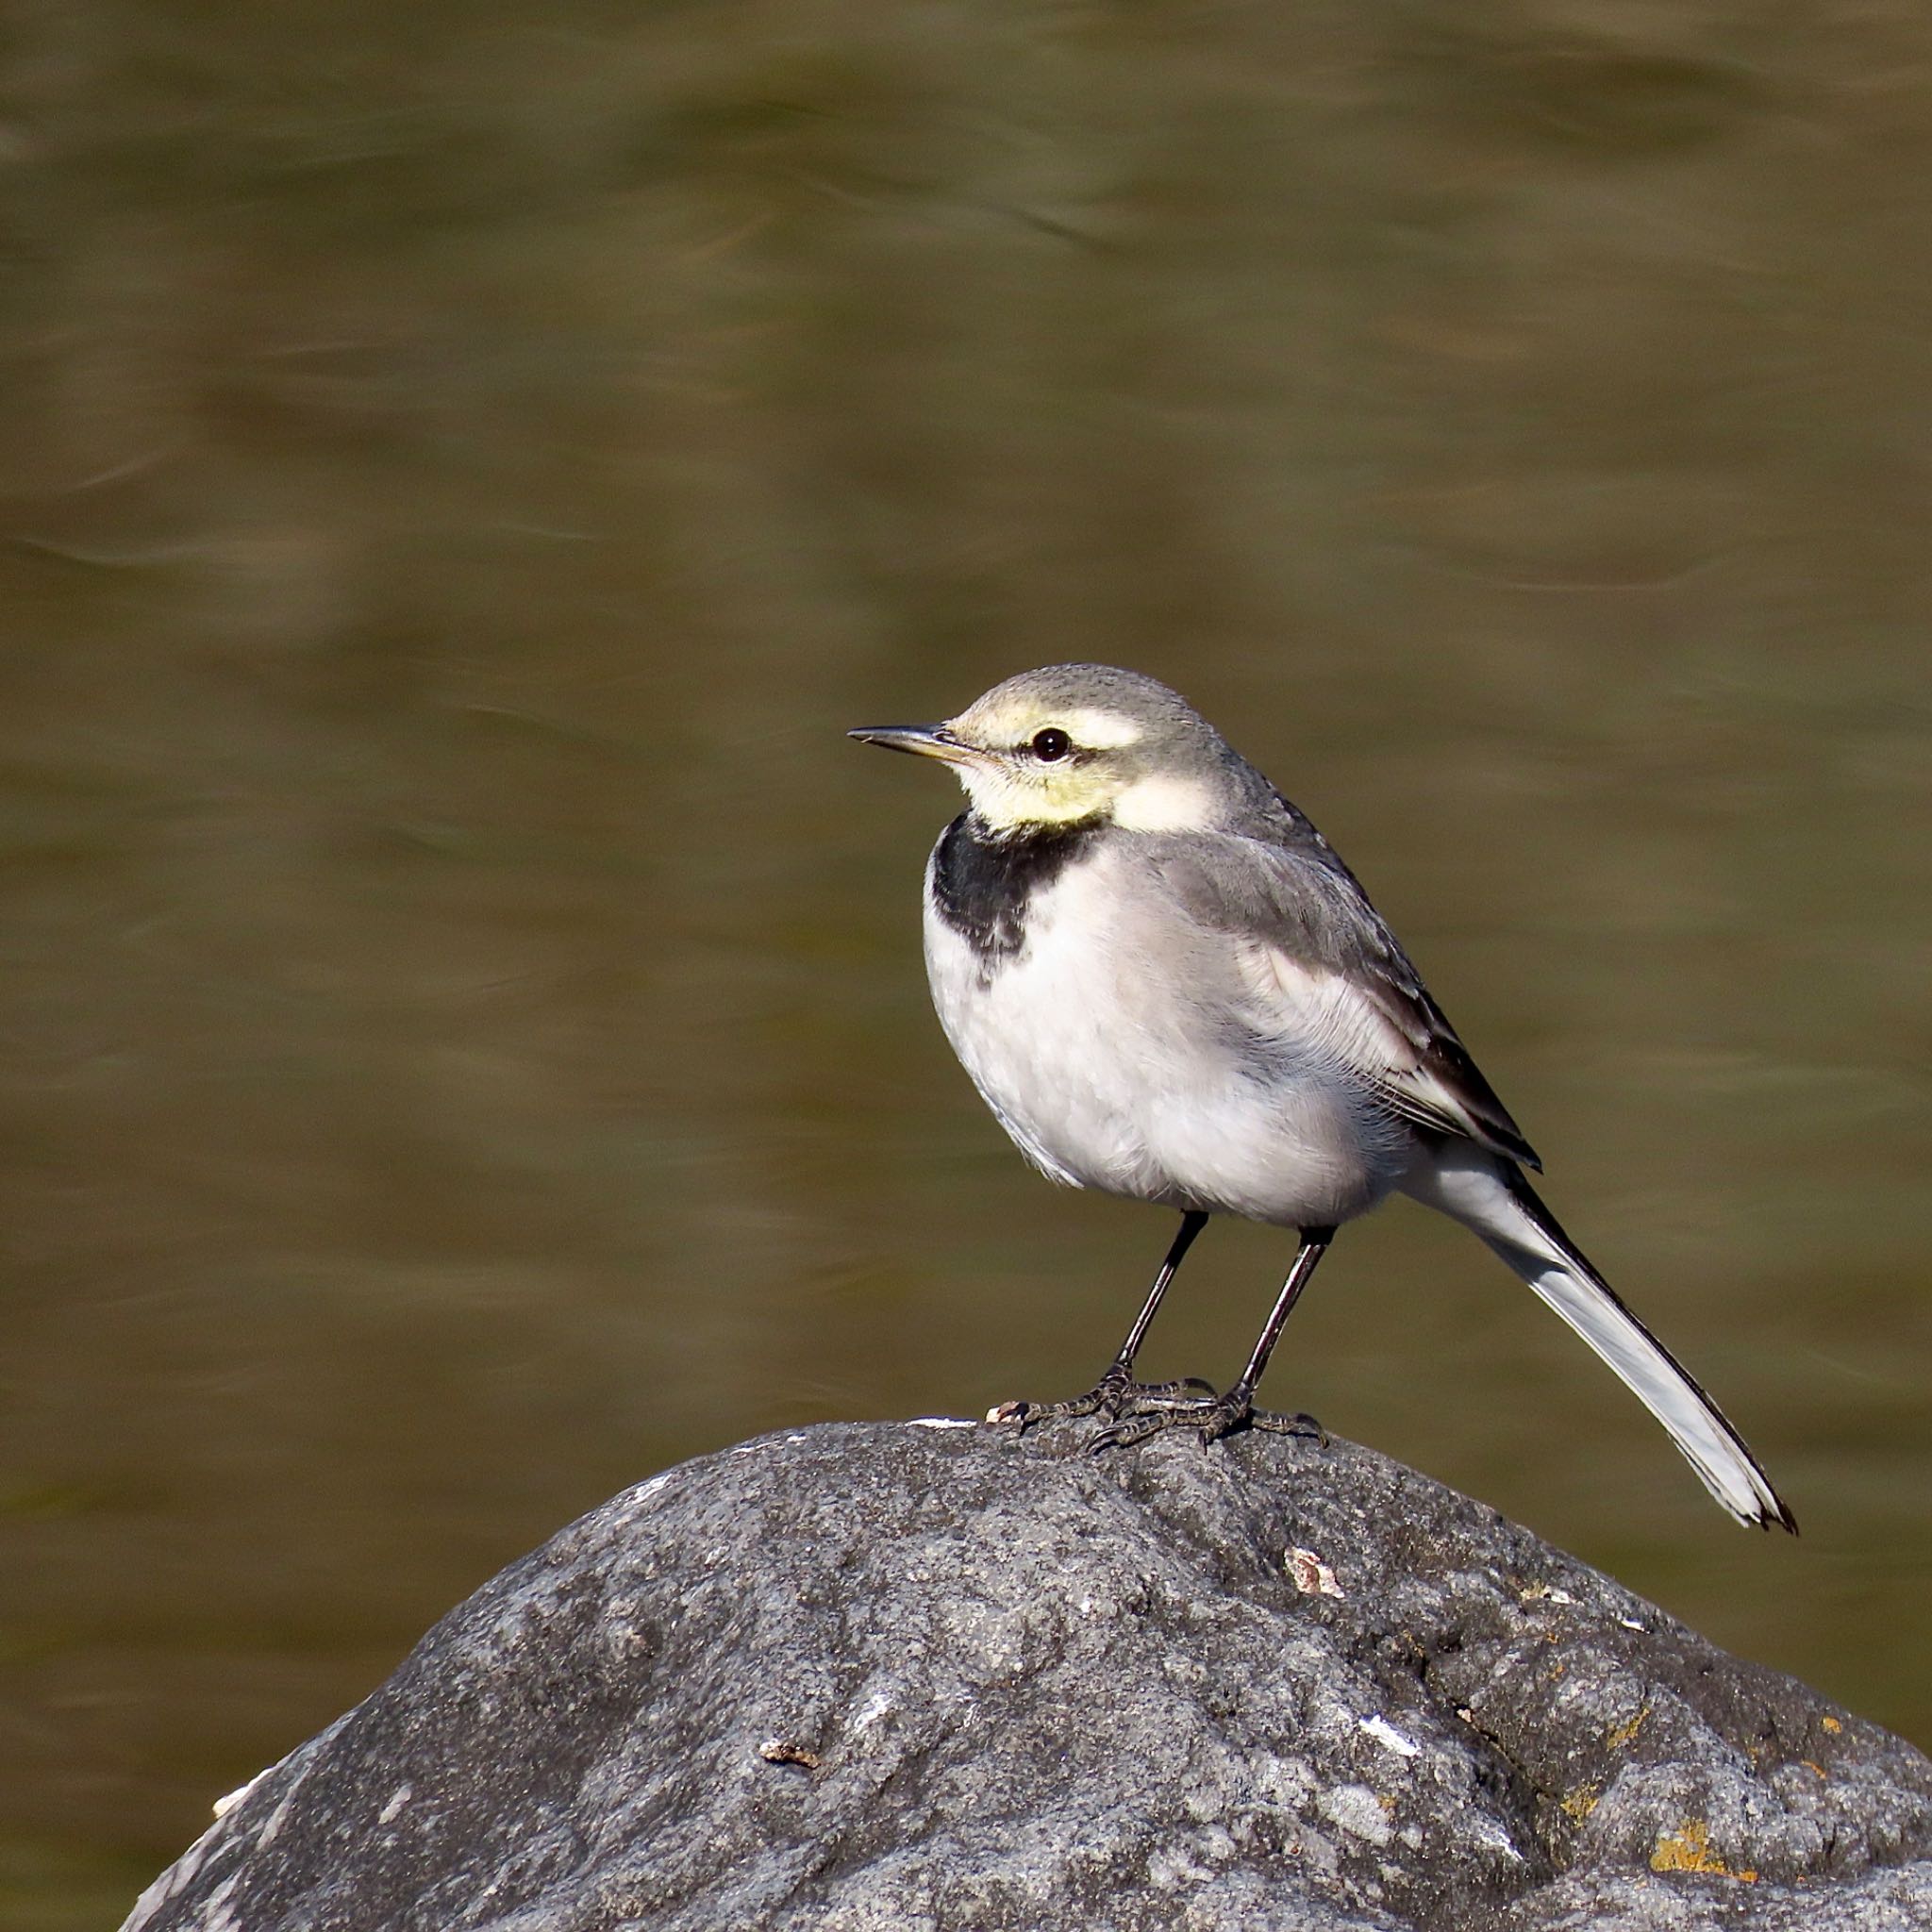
pixel 1314 1245
pixel 1116 1388
pixel 1221 1415
pixel 1192 1224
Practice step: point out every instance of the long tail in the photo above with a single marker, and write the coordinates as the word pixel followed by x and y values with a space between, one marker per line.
pixel 1489 1196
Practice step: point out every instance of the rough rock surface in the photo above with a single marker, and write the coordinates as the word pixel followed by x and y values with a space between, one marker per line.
pixel 934 1676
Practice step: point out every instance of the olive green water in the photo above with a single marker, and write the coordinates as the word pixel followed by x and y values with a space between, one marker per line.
pixel 463 1042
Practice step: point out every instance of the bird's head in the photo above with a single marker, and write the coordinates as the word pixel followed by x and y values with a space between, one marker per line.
pixel 1076 743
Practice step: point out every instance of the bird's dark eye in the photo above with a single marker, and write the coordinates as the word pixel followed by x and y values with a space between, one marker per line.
pixel 1051 744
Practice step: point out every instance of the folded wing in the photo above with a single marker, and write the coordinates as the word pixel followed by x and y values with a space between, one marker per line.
pixel 1320 960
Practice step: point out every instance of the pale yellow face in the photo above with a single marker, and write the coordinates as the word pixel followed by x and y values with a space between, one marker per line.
pixel 1026 760
pixel 1077 742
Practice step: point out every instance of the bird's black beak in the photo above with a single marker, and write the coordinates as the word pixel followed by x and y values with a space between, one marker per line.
pixel 926 741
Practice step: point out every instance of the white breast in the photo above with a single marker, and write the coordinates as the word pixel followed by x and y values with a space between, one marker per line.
pixel 1105 1048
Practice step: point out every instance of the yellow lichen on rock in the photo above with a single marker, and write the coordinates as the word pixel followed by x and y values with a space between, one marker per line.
pixel 1688 1849
pixel 1580 1802
pixel 1622 1734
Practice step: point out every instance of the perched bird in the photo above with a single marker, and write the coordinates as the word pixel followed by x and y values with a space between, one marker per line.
pixel 1168 987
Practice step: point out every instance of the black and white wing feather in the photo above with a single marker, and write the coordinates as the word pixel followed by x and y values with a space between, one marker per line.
pixel 1320 959
pixel 1318 964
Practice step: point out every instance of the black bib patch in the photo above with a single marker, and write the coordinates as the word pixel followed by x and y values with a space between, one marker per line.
pixel 982 880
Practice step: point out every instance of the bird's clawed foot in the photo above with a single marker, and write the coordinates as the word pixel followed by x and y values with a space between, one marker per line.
pixel 1215 1417
pixel 1111 1396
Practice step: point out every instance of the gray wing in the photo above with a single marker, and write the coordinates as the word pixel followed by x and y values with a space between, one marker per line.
pixel 1316 952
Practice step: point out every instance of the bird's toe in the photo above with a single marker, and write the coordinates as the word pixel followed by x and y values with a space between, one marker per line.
pixel 1114 1396
pixel 1214 1417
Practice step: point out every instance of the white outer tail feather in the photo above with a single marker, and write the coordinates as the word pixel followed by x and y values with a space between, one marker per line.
pixel 1489 1196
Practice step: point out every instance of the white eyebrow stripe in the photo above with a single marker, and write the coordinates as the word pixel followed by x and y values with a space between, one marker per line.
pixel 1096 730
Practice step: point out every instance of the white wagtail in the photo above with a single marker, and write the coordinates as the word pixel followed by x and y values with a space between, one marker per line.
pixel 1167 986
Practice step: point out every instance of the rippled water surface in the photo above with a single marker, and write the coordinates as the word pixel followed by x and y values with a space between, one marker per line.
pixel 463 1042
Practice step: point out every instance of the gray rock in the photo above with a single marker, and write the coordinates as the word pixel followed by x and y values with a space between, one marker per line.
pixel 933 1677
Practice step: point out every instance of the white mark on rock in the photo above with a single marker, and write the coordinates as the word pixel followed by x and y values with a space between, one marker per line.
pixel 224 1806
pixel 1379 1729
pixel 651 1488
pixel 875 1706
pixel 398 1798
pixel 1488 1832
pixel 1358 1810
pixel 1547 1592
pixel 940 1422
pixel 1312 1576
pixel 1630 1622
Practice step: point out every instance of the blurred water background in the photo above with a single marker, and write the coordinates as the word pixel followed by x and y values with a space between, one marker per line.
pixel 462 1040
